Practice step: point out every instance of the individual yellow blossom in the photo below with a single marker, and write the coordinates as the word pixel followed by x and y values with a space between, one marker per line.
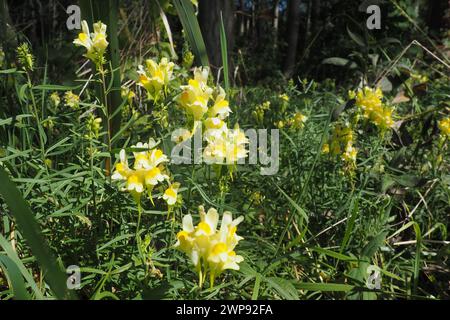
pixel 221 107
pixel 171 194
pixel 209 249
pixel 214 127
pixel 444 127
pixel 180 135
pixel 95 43
pixel 72 100
pixel 155 77
pixel 326 148
pixel 280 124
pixel 48 162
pixel 284 97
pixel 55 99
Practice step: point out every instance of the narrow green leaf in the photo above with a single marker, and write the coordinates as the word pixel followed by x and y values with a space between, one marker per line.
pixel 30 230
pixel 295 205
pixel 14 278
pixel 186 13
pixel 224 52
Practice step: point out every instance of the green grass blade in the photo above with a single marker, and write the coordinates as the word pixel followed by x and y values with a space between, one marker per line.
pixel 186 13
pixel 417 258
pixel 294 204
pixel 224 52
pixel 115 99
pixel 30 230
pixel 324 286
pixel 15 258
pixel 14 277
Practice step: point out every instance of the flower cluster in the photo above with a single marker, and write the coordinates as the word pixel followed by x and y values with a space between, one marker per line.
pixel 72 100
pixel 210 249
pixel 25 57
pixel 369 101
pixel 444 127
pixel 55 99
pixel 95 43
pixel 297 121
pixel 155 77
pixel 210 107
pixel 224 145
pixel 93 126
pixel 341 144
pixel 259 112
pixel 147 172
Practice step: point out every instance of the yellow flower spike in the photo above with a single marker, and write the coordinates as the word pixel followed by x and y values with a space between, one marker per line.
pixel 147 171
pixel 55 99
pixel 72 100
pixel 196 95
pixel 95 43
pixel 155 77
pixel 210 250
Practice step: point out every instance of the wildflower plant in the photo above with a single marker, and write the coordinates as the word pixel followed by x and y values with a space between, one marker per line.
pixel 95 43
pixel 155 77
pixel 147 172
pixel 371 107
pixel 211 250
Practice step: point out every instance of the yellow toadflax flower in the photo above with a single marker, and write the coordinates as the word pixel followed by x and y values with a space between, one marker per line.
pixel 341 144
pixel 369 101
pixel 93 126
pixel 195 96
pixel 225 146
pixel 209 249
pixel 155 77
pixel 147 172
pixel 55 99
pixel 444 127
pixel 72 100
pixel 221 107
pixel 95 43
pixel 298 120
pixel 171 194
pixel 284 97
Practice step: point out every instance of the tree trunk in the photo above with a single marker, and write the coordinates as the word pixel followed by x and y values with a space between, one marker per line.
pixel 293 33
pixel 209 18
pixel 242 18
